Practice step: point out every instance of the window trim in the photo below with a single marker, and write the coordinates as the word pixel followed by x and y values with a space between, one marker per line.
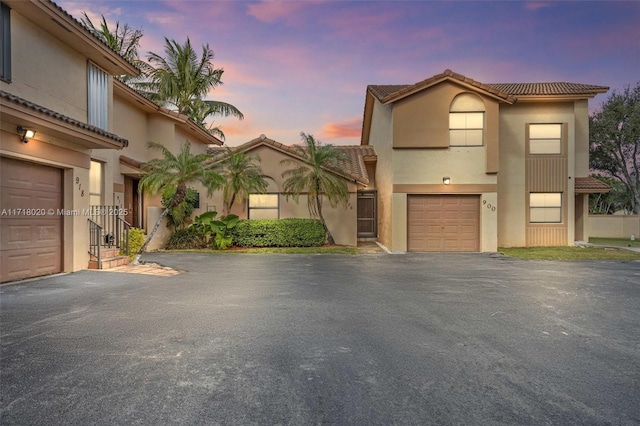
pixel 561 140
pixel 277 208
pixel 482 113
pixel 560 206
pixel 5 45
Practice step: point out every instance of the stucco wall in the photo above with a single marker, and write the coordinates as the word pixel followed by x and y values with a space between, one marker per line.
pixel 75 165
pixel 381 138
pixel 39 60
pixel 511 179
pixel 613 226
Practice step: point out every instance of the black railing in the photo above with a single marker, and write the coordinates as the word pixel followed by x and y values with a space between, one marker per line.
pixel 110 229
pixel 95 238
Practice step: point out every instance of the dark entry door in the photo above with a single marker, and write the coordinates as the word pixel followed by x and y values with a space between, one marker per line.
pixel 367 217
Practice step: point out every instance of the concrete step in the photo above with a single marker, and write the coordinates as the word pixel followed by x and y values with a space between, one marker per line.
pixel 110 262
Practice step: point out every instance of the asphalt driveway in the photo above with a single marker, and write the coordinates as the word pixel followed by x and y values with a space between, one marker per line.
pixel 326 339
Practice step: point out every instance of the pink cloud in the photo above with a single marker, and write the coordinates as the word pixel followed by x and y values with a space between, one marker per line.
pixel 535 5
pixel 346 129
pixel 287 12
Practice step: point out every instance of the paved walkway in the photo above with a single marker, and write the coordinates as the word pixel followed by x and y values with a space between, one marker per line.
pixel 146 269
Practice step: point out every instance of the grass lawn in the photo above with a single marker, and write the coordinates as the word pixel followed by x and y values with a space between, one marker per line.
pixel 279 250
pixel 618 242
pixel 569 253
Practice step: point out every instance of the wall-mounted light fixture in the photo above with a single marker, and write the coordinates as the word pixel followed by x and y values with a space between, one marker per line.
pixel 446 180
pixel 25 134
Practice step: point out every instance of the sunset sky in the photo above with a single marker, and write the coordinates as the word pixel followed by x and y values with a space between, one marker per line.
pixel 297 66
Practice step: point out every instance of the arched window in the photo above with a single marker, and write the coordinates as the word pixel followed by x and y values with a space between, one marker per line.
pixel 466 120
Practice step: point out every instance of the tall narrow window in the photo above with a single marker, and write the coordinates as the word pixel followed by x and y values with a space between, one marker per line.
pixel 466 121
pixel 5 42
pixel 98 97
pixel 263 206
pixel 545 207
pixel 96 178
pixel 545 139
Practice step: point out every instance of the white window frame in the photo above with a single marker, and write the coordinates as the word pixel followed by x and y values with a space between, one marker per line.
pixel 542 137
pixel 270 207
pixel 464 128
pixel 97 97
pixel 545 205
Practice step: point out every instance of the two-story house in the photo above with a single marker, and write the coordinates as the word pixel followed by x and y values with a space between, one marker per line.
pixel 467 166
pixel 56 100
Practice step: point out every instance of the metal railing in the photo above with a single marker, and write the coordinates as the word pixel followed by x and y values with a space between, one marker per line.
pixel 95 238
pixel 108 229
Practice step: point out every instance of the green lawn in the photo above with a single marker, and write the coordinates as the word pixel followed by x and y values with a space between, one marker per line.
pixel 618 242
pixel 280 250
pixel 569 253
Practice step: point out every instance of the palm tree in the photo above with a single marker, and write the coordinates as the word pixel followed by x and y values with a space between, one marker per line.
pixel 242 176
pixel 177 172
pixel 122 39
pixel 182 79
pixel 314 177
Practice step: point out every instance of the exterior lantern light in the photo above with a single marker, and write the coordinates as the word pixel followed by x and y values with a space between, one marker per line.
pixel 446 180
pixel 25 134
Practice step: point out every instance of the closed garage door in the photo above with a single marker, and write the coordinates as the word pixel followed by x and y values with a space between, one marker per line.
pixel 30 237
pixel 443 223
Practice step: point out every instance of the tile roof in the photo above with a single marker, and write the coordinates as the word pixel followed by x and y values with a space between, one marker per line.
pixel 353 168
pixel 559 88
pixel 60 117
pixel 507 91
pixel 590 185
pixel 81 25
pixel 390 93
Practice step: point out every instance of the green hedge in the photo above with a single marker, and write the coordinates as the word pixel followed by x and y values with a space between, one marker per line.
pixel 279 233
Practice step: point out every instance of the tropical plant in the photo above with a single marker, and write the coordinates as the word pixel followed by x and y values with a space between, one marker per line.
pixel 182 78
pixel 173 171
pixel 179 216
pixel 615 141
pixel 313 176
pixel 223 229
pixel 122 39
pixel 242 176
pixel 187 238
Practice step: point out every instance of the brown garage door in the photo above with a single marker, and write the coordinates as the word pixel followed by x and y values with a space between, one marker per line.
pixel 443 223
pixel 30 237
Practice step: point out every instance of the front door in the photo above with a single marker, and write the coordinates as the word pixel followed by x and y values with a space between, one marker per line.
pixel 367 217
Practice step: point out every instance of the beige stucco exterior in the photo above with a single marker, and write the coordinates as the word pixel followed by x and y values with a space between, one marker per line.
pixel 342 222
pixel 409 128
pixel 48 76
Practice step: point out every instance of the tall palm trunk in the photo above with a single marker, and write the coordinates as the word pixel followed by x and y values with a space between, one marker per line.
pixel 330 239
pixel 136 260
pixel 178 197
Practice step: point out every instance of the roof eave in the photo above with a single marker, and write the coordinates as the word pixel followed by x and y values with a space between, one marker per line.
pixel 51 18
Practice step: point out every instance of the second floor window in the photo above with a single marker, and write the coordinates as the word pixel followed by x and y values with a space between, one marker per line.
pixel 545 139
pixel 466 120
pixel 5 42
pixel 98 97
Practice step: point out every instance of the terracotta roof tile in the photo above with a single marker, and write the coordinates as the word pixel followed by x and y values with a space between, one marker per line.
pixel 507 91
pixel 81 25
pixel 559 88
pixel 40 109
pixel 353 168
pixel 590 185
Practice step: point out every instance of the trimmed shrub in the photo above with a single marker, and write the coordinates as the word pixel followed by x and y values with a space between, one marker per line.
pixel 136 240
pixel 188 238
pixel 279 233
